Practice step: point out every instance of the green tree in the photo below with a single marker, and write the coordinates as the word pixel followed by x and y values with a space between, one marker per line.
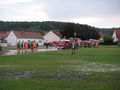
pixel 84 32
pixel 108 40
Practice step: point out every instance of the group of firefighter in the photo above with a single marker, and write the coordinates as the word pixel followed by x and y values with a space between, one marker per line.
pixel 26 46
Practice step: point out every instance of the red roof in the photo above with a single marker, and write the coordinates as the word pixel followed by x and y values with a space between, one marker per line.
pixel 4 34
pixel 28 35
pixel 22 34
pixel 58 34
pixel 46 33
pixel 118 34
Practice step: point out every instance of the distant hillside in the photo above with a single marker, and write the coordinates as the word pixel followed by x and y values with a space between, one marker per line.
pixel 44 26
pixel 32 26
pixel 108 31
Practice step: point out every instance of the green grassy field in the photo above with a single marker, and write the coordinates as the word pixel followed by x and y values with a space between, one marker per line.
pixel 89 69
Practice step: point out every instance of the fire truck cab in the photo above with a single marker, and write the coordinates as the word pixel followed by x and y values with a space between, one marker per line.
pixel 64 44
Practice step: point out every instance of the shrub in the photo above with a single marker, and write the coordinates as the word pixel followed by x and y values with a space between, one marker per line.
pixel 108 40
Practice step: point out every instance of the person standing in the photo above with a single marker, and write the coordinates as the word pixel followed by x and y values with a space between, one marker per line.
pixel 96 44
pixel 34 45
pixel 47 44
pixel 73 47
pixel 18 47
pixel 22 46
pixel 26 46
pixel 31 46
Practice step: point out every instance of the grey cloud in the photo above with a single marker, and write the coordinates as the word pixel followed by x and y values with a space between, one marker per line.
pixel 81 8
pixel 67 10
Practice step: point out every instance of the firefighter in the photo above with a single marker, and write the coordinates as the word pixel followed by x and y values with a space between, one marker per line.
pixel 47 44
pixel 31 45
pixel 35 46
pixel 18 47
pixel 96 44
pixel 22 46
pixel 26 46
pixel 73 47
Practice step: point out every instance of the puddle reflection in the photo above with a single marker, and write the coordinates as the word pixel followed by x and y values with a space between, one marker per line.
pixel 15 52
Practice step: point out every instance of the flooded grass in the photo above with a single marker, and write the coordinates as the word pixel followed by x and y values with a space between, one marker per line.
pixel 64 76
pixel 89 69
pixel 13 51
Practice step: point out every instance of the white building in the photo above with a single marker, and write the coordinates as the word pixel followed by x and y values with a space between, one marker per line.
pixel 14 36
pixel 51 36
pixel 116 36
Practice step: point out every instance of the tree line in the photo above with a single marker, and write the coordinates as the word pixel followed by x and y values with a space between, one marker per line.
pixel 32 26
pixel 67 29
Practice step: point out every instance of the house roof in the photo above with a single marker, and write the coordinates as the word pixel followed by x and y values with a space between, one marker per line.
pixel 118 34
pixel 4 34
pixel 28 35
pixel 22 34
pixel 56 33
pixel 46 33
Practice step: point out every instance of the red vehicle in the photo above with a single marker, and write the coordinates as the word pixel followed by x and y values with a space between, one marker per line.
pixel 77 40
pixel 64 44
pixel 54 43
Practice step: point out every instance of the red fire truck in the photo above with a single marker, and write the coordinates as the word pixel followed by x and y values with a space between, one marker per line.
pixel 64 44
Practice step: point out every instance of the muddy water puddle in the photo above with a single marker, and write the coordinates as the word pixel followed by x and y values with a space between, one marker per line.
pixel 15 52
pixel 40 75
pixel 66 76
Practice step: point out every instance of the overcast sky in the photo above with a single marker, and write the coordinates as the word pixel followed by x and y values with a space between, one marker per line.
pixel 98 13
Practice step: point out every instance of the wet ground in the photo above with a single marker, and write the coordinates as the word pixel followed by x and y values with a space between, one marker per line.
pixel 66 76
pixel 15 52
pixel 40 75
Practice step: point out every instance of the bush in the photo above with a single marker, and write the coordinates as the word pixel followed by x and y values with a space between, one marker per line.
pixel 108 40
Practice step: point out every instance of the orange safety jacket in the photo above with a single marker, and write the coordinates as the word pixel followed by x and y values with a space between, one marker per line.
pixel 34 44
pixel 26 45
pixel 97 43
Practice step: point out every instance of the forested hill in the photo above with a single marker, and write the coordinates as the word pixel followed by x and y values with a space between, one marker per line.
pixel 32 26
pixel 108 31
pixel 43 26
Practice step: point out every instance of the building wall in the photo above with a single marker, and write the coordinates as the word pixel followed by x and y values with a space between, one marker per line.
pixel 39 41
pixel 50 36
pixel 11 39
pixel 114 37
